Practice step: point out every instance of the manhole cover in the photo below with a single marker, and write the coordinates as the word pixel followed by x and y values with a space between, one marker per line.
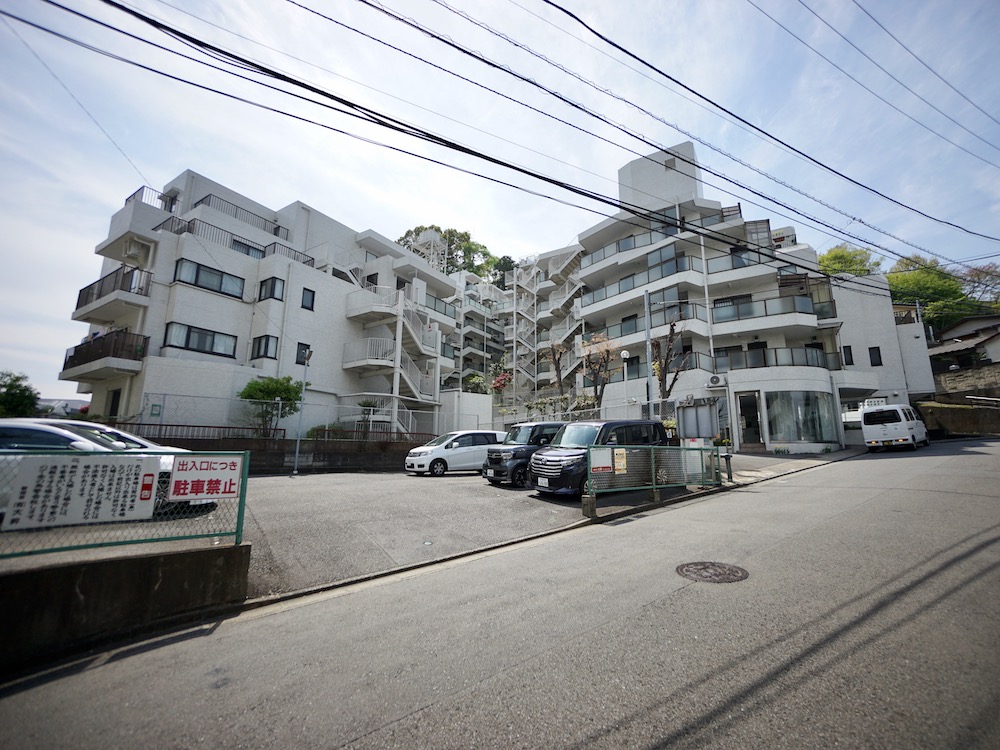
pixel 712 572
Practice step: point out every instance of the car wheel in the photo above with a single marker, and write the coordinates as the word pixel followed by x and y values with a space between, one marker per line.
pixel 438 467
pixel 583 487
pixel 520 478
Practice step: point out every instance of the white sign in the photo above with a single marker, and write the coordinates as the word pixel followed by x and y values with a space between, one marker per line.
pixel 601 461
pixel 205 478
pixel 62 490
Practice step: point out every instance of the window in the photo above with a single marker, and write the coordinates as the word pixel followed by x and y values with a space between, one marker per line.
pixel 301 352
pixel 272 288
pixel 245 247
pixel 875 354
pixel 265 346
pixel 630 324
pixel 801 416
pixel 308 299
pixel 208 278
pixel 848 356
pixel 200 340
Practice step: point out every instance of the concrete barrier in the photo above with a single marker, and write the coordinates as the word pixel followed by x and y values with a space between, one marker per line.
pixel 52 611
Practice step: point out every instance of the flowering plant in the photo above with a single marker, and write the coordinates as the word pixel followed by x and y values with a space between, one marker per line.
pixel 501 381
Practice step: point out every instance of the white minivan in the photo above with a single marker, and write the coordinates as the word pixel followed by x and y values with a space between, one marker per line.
pixel 462 450
pixel 892 425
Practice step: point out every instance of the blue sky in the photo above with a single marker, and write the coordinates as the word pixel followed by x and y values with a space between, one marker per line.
pixel 80 132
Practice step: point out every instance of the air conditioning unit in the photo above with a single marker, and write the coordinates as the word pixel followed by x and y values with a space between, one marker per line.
pixel 135 248
pixel 716 381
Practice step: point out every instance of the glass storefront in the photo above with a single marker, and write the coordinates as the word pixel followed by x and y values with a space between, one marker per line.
pixel 801 416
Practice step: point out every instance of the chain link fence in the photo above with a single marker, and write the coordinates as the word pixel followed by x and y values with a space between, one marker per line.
pixel 72 500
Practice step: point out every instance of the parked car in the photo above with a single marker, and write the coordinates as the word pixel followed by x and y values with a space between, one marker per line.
pixel 560 468
pixel 21 435
pixel 462 450
pixel 892 426
pixel 508 463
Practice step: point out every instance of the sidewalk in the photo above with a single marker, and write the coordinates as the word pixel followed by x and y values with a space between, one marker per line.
pixel 749 468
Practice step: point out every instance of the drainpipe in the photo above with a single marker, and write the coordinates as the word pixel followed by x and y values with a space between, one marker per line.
pixel 397 359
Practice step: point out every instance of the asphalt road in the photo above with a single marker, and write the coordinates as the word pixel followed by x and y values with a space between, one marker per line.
pixel 870 618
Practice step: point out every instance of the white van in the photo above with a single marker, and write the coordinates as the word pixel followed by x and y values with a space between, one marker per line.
pixel 892 425
pixel 463 450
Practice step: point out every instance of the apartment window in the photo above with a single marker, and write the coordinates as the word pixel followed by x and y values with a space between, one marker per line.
pixel 208 278
pixel 244 246
pixel 300 353
pixel 848 356
pixel 264 346
pixel 272 288
pixel 630 324
pixel 200 340
pixel 308 299
pixel 875 354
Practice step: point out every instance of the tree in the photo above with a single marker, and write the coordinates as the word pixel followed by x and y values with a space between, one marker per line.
pixel 846 258
pixel 669 360
pixel 461 252
pixel 271 399
pixel 982 283
pixel 17 397
pixel 554 353
pixel 498 272
pixel 918 280
pixel 598 357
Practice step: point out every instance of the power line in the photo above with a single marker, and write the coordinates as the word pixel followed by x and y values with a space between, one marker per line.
pixel 921 61
pixel 640 137
pixel 877 96
pixel 367 115
pixel 812 159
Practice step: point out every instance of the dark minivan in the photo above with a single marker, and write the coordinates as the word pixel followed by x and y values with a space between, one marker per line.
pixel 508 462
pixel 560 468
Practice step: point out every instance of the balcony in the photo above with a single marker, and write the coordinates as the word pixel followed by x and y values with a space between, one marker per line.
pixel 220 236
pixel 112 297
pixel 105 357
pixel 798 356
pixel 241 214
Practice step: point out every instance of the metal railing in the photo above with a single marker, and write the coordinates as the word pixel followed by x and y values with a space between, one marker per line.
pixel 74 500
pixel 241 214
pixel 124 279
pixel 152 197
pixel 120 344
pixel 623 468
pixel 223 237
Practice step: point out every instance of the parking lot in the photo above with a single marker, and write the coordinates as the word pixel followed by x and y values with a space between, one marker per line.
pixel 318 529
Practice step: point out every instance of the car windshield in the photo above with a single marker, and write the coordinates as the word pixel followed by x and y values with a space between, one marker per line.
pixel 96 436
pixel 518 435
pixel 576 435
pixel 442 439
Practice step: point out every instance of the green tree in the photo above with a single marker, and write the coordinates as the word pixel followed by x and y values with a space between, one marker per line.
pixel 498 272
pixel 461 252
pixel 846 258
pixel 271 399
pixel 918 280
pixel 17 397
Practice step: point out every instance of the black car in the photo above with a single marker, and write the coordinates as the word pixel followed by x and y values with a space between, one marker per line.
pixel 508 462
pixel 560 468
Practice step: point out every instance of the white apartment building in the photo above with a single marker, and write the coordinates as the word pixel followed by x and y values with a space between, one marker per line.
pixel 203 289
pixel 778 350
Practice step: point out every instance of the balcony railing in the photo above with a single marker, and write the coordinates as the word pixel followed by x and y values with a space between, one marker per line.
pixel 241 214
pixel 800 356
pixel 220 236
pixel 153 198
pixel 124 279
pixel 118 344
pixel 762 308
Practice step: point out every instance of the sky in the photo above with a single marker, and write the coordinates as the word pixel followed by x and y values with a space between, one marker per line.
pixel 901 99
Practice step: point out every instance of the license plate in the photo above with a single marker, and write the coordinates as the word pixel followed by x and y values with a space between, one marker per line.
pixel 543 482
pixel 886 442
pixel 490 473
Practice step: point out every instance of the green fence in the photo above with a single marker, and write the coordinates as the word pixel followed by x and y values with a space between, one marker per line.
pixel 74 500
pixel 643 467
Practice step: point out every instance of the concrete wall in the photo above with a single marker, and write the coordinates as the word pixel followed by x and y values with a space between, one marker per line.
pixel 56 610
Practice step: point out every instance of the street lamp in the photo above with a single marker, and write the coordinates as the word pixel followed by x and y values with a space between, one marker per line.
pixel 302 405
pixel 625 366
